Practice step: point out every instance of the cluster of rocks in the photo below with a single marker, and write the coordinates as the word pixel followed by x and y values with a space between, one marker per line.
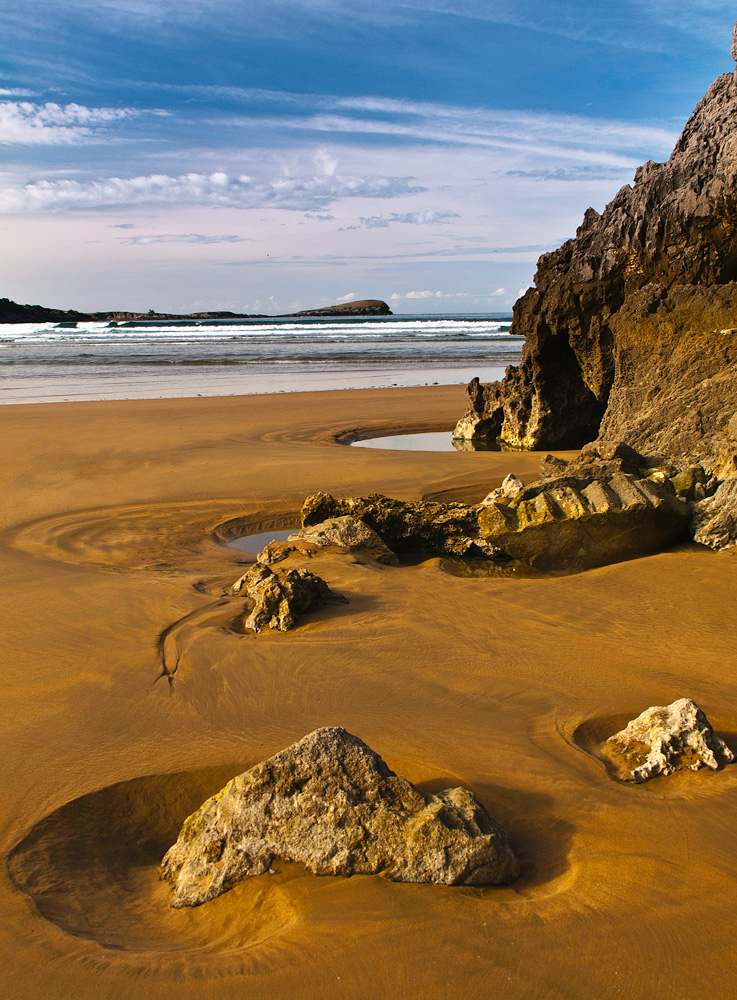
pixel 606 505
pixel 331 803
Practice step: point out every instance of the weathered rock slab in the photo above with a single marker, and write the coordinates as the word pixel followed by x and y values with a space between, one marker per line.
pixel 332 804
pixel 667 738
pixel 576 522
pixel 279 599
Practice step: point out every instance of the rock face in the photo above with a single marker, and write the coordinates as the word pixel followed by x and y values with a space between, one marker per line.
pixel 279 599
pixel 665 739
pixel 346 534
pixel 332 804
pixel 714 519
pixel 630 328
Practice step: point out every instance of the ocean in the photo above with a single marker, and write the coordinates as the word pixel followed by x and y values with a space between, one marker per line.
pixel 43 362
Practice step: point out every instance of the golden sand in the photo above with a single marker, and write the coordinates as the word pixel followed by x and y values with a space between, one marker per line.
pixel 508 686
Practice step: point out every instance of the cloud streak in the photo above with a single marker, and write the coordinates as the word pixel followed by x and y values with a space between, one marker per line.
pixel 306 193
pixel 182 238
pixel 408 218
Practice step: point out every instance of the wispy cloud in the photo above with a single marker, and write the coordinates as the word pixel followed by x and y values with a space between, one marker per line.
pixel 306 193
pixel 573 173
pixel 183 238
pixel 54 124
pixel 409 218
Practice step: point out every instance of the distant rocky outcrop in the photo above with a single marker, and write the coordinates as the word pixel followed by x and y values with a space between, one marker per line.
pixel 332 804
pixel 631 328
pixel 664 739
pixel 362 307
pixel 280 598
pixel 13 312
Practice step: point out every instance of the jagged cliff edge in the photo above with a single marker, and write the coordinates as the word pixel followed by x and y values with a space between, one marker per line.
pixel 630 328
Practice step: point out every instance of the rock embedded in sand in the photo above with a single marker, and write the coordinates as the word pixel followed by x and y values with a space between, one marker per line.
pixel 332 804
pixel 664 739
pixel 346 534
pixel 280 598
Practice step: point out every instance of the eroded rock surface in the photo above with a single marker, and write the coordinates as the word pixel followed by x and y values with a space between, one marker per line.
pixel 664 739
pixel 346 534
pixel 578 522
pixel 630 328
pixel 714 519
pixel 279 599
pixel 331 803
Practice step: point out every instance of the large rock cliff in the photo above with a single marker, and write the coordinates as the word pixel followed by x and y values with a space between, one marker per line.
pixel 630 328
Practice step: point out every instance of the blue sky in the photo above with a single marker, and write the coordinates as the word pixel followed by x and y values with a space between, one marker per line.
pixel 273 155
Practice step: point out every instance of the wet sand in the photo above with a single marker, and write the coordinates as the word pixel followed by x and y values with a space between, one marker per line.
pixel 109 520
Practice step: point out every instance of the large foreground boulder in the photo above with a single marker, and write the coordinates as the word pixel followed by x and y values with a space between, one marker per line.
pixel 332 804
pixel 630 328
pixel 664 739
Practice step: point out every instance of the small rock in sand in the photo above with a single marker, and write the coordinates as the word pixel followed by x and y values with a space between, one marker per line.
pixel 664 739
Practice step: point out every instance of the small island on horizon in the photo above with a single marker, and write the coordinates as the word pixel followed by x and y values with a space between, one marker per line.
pixel 14 312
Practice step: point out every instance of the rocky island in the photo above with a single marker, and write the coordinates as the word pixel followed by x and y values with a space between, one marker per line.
pixel 13 312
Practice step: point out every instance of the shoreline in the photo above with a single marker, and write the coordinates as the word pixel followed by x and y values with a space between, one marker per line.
pixel 108 536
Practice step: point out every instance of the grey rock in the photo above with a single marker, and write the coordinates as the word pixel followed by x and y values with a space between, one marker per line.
pixel 331 803
pixel 551 467
pixel 578 522
pixel 734 43
pixel 279 599
pixel 714 519
pixel 510 487
pixel 629 330
pixel 664 739
pixel 346 533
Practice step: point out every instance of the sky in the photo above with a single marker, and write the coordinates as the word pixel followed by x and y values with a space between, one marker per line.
pixel 272 155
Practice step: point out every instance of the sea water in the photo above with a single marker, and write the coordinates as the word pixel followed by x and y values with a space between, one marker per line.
pixel 43 362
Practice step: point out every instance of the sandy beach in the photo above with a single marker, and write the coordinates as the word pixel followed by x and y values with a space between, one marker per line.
pixel 109 520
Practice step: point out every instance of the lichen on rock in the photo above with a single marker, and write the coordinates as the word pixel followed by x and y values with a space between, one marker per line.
pixel 332 804
pixel 664 739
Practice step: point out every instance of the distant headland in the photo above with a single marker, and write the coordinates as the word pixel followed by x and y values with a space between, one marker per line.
pixel 13 312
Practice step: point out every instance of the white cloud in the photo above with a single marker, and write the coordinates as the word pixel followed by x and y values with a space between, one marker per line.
pixel 181 238
pixel 347 298
pixel 499 291
pixel 410 218
pixel 53 124
pixel 221 189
